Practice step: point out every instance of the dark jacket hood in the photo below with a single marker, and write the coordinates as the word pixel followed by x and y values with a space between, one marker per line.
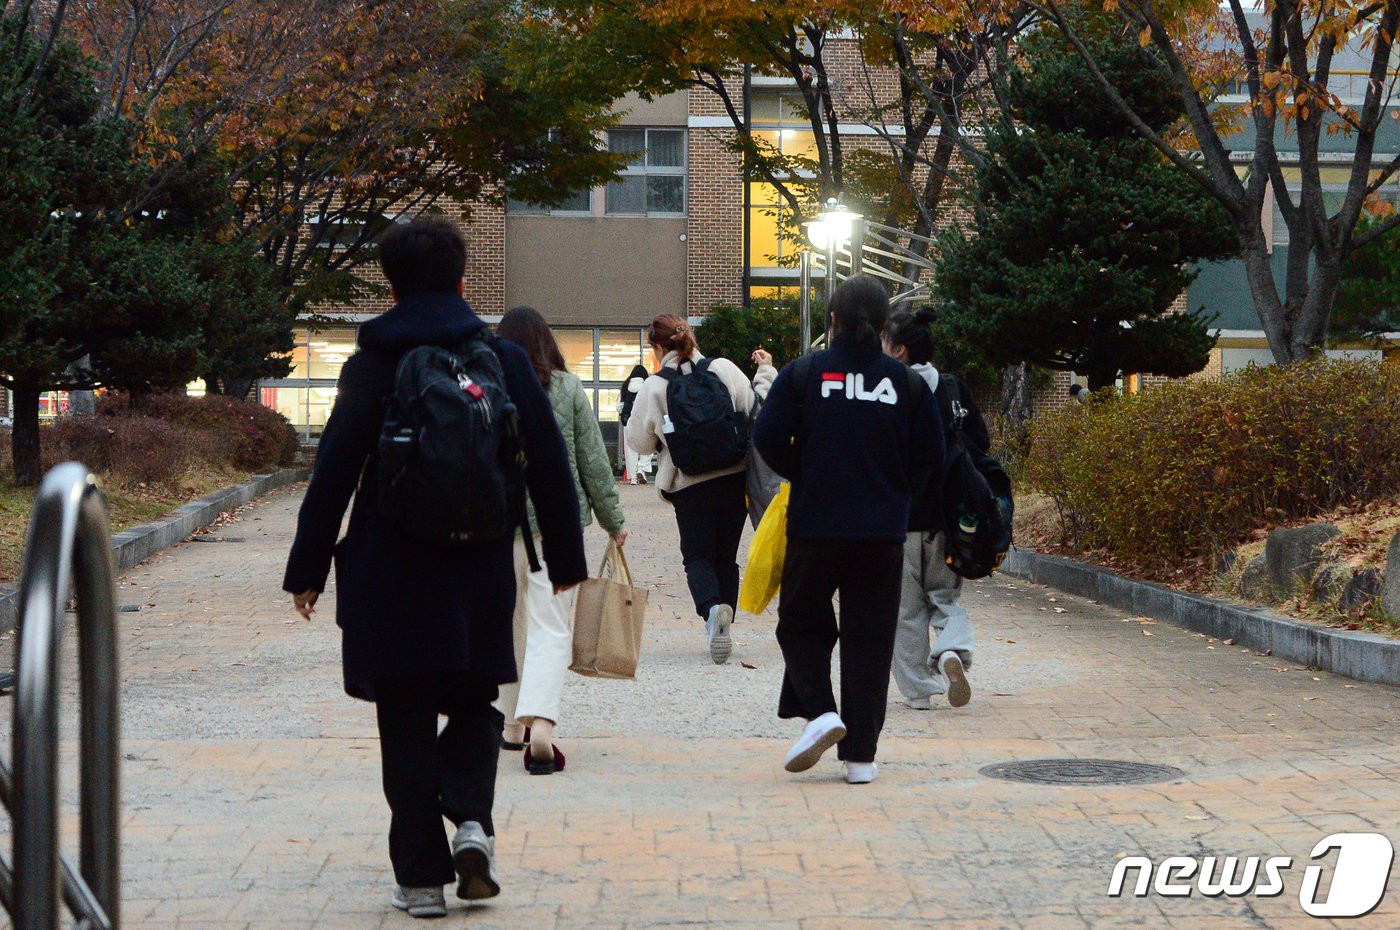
pixel 421 319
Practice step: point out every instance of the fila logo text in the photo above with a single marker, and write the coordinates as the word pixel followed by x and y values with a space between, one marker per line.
pixel 852 385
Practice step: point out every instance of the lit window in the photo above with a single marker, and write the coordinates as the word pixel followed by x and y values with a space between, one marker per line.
pixel 653 183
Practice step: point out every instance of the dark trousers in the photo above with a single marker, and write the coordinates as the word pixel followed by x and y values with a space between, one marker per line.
pixel 710 516
pixel 866 575
pixel 428 776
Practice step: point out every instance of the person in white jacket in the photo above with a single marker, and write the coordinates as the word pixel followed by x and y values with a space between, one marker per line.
pixel 633 465
pixel 710 508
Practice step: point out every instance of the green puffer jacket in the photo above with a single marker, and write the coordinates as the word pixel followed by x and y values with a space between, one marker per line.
pixel 593 474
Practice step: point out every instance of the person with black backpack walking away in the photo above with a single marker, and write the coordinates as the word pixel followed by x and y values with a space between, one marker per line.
pixel 544 621
pixel 931 589
pixel 855 432
pixel 694 413
pixel 438 430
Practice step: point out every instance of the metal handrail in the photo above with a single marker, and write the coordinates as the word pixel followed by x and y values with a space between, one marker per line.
pixel 69 549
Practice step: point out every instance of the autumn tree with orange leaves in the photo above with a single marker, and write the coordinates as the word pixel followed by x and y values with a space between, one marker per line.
pixel 1270 70
pixel 332 115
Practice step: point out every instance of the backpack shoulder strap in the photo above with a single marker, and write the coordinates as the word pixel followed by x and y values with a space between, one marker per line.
pixel 701 366
pixel 801 371
pixel 669 374
pixel 915 381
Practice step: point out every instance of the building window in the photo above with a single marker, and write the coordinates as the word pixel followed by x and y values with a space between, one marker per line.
pixel 602 359
pixel 653 183
pixel 580 203
pixel 343 230
pixel 306 395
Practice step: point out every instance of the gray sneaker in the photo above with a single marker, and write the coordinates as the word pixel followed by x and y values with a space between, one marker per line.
pixel 419 902
pixel 474 856
pixel 717 629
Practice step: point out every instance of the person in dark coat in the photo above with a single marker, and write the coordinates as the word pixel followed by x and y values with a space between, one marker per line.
pixel 855 434
pixel 426 626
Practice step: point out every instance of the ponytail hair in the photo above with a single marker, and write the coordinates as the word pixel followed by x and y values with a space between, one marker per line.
pixel 911 330
pixel 861 307
pixel 670 333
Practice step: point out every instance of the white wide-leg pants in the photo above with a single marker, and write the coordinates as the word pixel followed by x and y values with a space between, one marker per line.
pixel 544 645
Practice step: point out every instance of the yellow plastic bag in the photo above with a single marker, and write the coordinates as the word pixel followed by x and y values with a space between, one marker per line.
pixel 764 574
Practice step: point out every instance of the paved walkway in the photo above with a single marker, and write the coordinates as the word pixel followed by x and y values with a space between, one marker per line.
pixel 252 783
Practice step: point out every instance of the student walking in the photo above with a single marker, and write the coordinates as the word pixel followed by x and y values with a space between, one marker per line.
pixel 708 434
pixel 930 599
pixel 544 621
pixel 855 433
pixel 627 400
pixel 426 583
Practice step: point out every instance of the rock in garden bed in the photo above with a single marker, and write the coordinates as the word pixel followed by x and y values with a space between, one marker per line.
pixel 1294 555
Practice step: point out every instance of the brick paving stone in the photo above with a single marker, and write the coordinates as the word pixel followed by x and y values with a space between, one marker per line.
pixel 252 799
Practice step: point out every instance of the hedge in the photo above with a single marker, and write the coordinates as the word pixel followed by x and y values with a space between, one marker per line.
pixel 1190 468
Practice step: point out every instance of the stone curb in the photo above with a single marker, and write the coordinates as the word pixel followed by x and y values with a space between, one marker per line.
pixel 133 546
pixel 1362 656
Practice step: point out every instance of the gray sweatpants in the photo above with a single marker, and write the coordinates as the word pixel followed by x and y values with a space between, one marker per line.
pixel 928 600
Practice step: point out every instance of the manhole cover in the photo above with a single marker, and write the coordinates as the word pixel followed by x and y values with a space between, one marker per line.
pixel 1082 772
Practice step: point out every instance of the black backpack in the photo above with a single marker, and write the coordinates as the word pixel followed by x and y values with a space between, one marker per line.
pixel 706 432
pixel 977 506
pixel 451 466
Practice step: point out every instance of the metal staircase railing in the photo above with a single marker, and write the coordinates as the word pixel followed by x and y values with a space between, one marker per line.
pixel 69 549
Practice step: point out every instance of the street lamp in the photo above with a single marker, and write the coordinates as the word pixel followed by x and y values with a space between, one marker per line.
pixel 834 227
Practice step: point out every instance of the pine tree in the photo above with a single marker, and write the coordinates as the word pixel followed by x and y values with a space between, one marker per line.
pixel 1083 235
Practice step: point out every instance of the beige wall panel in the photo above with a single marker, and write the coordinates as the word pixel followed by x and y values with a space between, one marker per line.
pixel 596 271
pixel 670 110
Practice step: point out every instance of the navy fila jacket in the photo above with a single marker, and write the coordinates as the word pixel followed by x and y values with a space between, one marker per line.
pixel 854 440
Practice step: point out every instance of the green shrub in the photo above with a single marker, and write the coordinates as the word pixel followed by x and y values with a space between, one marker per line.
pixel 1190 468
pixel 243 434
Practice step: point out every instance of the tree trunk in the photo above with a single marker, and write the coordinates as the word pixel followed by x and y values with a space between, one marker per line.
pixel 24 435
pixel 1016 398
pixel 138 402
pixel 1310 327
pixel 211 384
pixel 238 388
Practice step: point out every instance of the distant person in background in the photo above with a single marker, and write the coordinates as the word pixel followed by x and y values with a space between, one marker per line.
pixel 544 620
pixel 1077 392
pixel 710 504
pixel 627 399
pixel 931 590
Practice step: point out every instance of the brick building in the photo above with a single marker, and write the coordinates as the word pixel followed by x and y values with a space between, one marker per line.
pixel 672 235
pixel 667 236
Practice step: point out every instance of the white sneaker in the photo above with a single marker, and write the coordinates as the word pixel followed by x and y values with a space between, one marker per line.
pixel 419 902
pixel 950 665
pixel 818 736
pixel 717 628
pixel 919 703
pixel 861 773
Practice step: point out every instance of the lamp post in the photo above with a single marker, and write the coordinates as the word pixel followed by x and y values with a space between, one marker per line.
pixel 833 228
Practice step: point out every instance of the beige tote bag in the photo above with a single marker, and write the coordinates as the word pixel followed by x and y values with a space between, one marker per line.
pixel 608 621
